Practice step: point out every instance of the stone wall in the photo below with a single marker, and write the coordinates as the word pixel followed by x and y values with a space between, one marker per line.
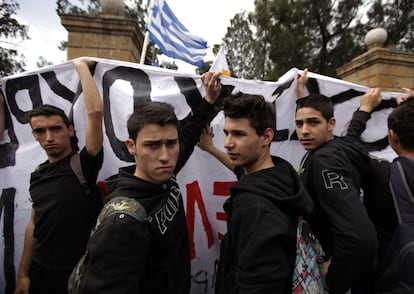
pixel 380 67
pixel 107 37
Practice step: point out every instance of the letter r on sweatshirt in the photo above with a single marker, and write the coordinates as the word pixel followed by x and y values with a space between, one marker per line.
pixel 331 179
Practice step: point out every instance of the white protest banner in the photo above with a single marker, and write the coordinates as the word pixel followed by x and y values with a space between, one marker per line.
pixel 204 181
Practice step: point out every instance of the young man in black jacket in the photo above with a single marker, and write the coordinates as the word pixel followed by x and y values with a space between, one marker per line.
pixel 258 251
pixel 151 257
pixel 62 214
pixel 378 199
pixel 332 170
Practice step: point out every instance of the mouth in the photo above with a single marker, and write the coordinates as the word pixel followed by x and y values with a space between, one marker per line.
pixel 305 141
pixel 232 156
pixel 307 144
pixel 165 168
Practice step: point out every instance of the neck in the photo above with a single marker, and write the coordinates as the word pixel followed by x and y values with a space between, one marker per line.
pixel 406 153
pixel 54 158
pixel 263 162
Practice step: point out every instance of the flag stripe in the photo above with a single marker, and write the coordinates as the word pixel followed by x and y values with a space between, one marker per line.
pixel 173 39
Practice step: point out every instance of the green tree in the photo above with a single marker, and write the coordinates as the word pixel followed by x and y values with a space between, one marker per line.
pixel 241 47
pixel 10 60
pixel 397 17
pixel 93 7
pixel 134 9
pixel 169 65
pixel 321 35
pixel 307 33
pixel 42 62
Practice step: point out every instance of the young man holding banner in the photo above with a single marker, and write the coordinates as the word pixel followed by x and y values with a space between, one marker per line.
pixel 153 256
pixel 378 198
pixel 332 170
pixel 62 214
pixel 258 251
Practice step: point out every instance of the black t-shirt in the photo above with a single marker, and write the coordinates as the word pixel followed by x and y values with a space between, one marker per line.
pixel 64 215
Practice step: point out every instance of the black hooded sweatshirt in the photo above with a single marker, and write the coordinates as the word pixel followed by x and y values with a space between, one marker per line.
pixel 332 176
pixel 258 251
pixel 151 257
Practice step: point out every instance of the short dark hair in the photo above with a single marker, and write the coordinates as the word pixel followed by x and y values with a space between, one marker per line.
pixel 148 112
pixel 401 121
pixel 317 102
pixel 260 113
pixel 49 110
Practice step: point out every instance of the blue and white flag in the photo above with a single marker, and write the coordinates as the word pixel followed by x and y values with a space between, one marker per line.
pixel 173 38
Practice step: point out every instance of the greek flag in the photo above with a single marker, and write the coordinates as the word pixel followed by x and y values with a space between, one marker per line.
pixel 173 38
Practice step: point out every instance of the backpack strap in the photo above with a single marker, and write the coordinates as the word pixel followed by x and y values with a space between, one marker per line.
pixel 76 166
pixel 401 194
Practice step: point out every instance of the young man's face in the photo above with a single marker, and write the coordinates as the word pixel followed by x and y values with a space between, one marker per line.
pixel 155 150
pixel 244 147
pixel 53 135
pixel 312 128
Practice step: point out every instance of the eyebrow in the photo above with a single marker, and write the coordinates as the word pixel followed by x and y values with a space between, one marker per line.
pixel 48 128
pixel 149 141
pixel 309 119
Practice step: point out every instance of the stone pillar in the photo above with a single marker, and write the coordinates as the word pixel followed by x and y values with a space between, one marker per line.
pixel 381 67
pixel 109 35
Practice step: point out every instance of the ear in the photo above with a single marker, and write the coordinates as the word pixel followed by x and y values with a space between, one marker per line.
pixel 268 136
pixel 71 131
pixel 393 137
pixel 130 145
pixel 331 124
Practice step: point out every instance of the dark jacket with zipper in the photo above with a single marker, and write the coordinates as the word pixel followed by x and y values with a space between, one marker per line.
pixel 150 257
pixel 258 251
pixel 377 194
pixel 332 175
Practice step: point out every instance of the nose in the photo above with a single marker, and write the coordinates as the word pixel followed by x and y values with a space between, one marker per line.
pixel 304 129
pixel 164 155
pixel 48 135
pixel 228 142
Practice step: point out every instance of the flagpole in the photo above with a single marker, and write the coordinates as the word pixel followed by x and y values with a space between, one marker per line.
pixel 145 44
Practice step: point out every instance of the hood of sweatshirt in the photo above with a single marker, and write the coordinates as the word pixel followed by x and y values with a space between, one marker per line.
pixel 151 196
pixel 280 184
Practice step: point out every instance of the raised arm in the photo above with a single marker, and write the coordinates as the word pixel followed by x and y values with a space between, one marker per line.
pixel 206 144
pixel 370 100
pixel 212 84
pixel 301 85
pixel 94 107
pixel 190 131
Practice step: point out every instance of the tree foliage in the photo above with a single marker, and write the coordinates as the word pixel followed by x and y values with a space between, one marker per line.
pixel 169 65
pixel 321 35
pixel 397 17
pixel 93 7
pixel 42 62
pixel 134 9
pixel 10 28
pixel 239 39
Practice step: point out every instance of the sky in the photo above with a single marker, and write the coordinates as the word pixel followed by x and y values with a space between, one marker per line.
pixel 206 19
